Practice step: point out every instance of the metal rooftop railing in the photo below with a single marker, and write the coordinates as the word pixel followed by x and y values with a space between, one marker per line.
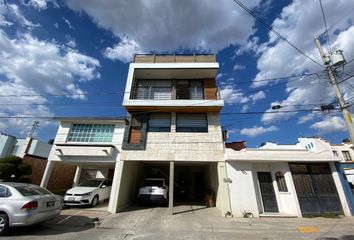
pixel 173 58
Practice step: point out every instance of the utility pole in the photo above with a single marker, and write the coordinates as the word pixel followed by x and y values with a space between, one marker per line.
pixel 34 126
pixel 336 59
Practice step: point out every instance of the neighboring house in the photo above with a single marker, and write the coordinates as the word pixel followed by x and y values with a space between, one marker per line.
pixel 35 153
pixel 174 130
pixel 12 146
pixel 91 145
pixel 342 153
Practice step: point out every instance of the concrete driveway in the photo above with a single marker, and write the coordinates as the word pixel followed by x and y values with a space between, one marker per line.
pixel 189 222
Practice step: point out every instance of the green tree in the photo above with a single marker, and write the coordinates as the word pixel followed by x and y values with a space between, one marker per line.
pixel 13 166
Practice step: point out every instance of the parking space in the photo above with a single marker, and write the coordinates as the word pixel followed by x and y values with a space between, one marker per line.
pixel 81 216
pixel 194 182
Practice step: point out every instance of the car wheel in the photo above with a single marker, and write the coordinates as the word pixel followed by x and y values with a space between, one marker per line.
pixel 4 223
pixel 94 201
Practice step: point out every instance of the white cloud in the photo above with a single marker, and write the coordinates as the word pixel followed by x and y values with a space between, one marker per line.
pixel 169 25
pixel 41 4
pixel 68 23
pixel 71 43
pixel 219 76
pixel 10 14
pixel 245 108
pixel 29 66
pixel 123 51
pixel 252 45
pixel 20 106
pixel 300 22
pixel 306 118
pixel 239 67
pixel 256 131
pixel 56 25
pixel 257 96
pixel 330 124
pixel 232 96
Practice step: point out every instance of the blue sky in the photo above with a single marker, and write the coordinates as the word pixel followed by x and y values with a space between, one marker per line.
pixel 70 58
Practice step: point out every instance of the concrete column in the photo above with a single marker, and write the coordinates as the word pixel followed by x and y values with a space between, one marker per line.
pixel 339 186
pixel 47 173
pixel 77 175
pixel 170 189
pixel 113 206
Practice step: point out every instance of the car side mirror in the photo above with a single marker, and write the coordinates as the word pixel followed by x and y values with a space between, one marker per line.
pixel 103 186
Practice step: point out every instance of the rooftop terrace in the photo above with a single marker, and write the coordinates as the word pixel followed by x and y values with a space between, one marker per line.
pixel 173 58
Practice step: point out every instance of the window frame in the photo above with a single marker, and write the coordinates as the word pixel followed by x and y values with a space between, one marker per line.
pixel 159 128
pixel 281 181
pixel 90 133
pixel 203 129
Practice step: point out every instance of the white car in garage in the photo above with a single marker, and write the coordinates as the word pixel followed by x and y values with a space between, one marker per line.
pixel 153 190
pixel 89 192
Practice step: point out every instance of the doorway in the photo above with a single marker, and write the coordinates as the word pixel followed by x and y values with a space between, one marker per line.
pixel 267 192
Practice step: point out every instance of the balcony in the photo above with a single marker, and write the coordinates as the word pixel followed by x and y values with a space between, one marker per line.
pixel 171 93
pixel 174 96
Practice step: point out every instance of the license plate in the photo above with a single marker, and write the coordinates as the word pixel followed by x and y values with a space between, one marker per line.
pixel 51 204
pixel 71 199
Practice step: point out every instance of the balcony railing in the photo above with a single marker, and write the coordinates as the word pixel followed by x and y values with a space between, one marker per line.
pixel 172 93
pixel 174 58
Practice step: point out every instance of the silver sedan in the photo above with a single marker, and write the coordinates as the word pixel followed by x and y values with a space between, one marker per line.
pixel 24 204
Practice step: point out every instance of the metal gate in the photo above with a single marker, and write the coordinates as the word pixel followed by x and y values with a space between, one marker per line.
pixel 315 188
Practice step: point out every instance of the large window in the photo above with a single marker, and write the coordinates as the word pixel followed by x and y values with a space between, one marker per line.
pixel 186 122
pixel 346 156
pixel 189 89
pixel 91 133
pixel 159 122
pixel 153 89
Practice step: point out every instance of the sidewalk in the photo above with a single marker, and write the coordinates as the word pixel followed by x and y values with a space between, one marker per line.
pixel 207 223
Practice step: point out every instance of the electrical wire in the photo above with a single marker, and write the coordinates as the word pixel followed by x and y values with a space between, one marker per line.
pixel 325 23
pixel 238 2
pixel 123 92
pixel 110 116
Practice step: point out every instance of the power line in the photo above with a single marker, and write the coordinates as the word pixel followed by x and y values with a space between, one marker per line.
pixel 110 116
pixel 123 92
pixel 274 31
pixel 325 23
pixel 341 18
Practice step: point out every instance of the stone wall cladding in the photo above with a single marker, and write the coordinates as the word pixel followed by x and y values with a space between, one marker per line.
pixel 182 146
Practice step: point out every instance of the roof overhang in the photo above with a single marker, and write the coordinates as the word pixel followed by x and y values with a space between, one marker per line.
pixel 278 155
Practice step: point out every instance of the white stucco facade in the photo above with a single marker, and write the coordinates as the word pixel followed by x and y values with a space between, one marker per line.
pixel 245 195
pixel 102 156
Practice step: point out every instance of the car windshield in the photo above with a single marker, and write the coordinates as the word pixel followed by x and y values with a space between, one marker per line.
pixel 90 183
pixel 153 183
pixel 29 190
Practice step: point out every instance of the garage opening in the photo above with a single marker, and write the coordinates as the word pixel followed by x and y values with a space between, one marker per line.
pixel 195 183
pixel 315 188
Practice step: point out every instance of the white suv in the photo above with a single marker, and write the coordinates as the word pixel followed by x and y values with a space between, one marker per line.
pixel 153 190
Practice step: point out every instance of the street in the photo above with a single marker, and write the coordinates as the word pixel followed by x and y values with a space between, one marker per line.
pixel 188 222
